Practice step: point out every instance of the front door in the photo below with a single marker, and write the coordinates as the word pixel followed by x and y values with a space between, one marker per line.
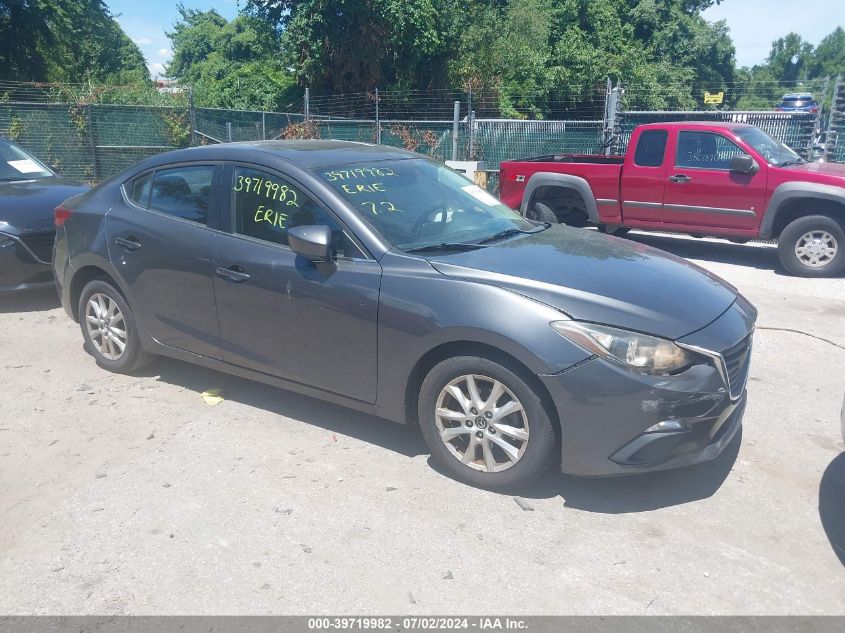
pixel 278 313
pixel 159 241
pixel 702 190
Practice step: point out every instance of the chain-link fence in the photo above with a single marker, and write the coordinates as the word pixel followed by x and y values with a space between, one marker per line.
pixel 91 141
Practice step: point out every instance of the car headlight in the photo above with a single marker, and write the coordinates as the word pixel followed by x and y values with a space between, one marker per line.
pixel 639 352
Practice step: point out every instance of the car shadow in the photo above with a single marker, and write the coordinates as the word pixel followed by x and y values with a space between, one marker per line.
pixel 751 255
pixel 633 493
pixel 331 417
pixel 612 495
pixel 832 505
pixel 29 301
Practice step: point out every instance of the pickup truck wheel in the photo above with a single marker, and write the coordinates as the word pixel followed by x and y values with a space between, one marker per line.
pixel 541 213
pixel 812 246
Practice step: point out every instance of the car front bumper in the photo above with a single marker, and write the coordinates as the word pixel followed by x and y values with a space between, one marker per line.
pixel 20 269
pixel 608 413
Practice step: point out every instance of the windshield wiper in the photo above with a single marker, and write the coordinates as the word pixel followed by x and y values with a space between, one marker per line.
pixel 501 235
pixel 798 161
pixel 444 246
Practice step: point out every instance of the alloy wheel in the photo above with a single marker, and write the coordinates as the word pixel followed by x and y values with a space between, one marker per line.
pixel 106 326
pixel 482 423
pixel 816 248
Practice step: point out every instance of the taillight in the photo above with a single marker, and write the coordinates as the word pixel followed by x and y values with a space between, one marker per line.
pixel 60 215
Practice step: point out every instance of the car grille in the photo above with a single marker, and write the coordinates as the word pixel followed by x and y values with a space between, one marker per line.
pixel 41 244
pixel 737 360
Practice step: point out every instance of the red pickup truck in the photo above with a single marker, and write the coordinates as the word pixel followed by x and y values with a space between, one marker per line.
pixel 727 180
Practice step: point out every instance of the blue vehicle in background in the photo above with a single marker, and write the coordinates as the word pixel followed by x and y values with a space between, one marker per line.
pixel 798 102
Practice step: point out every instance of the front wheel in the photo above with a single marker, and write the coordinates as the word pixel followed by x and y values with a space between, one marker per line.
pixel 484 424
pixel 108 327
pixel 812 246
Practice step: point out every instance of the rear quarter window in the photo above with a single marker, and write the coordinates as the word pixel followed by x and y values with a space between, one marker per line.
pixel 651 148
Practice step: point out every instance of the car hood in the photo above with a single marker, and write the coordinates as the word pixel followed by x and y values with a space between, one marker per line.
pixel 598 278
pixel 27 205
pixel 821 172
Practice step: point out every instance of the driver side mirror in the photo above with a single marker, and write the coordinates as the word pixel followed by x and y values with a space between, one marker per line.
pixel 744 164
pixel 313 241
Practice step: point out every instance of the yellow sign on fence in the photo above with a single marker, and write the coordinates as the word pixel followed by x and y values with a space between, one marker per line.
pixel 714 97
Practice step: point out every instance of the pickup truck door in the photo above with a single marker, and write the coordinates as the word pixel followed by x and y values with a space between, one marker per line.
pixel 643 179
pixel 702 190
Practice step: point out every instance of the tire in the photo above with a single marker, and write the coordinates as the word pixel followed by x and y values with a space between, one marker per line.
pixel 812 246
pixel 541 213
pixel 530 457
pixel 613 229
pixel 105 348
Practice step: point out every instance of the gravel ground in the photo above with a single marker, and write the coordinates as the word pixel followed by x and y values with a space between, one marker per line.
pixel 131 495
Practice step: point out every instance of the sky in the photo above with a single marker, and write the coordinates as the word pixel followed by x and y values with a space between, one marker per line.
pixel 754 24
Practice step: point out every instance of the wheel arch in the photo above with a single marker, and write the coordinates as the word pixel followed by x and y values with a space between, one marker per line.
pixel 482 350
pixel 542 183
pixel 83 276
pixel 790 201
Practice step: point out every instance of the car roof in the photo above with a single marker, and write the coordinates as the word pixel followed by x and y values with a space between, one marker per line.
pixel 798 95
pixel 309 154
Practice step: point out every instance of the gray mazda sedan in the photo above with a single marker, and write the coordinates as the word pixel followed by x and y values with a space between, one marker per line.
pixel 375 278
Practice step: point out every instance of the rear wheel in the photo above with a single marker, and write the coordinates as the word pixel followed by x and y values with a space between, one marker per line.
pixel 484 424
pixel 541 213
pixel 812 246
pixel 108 327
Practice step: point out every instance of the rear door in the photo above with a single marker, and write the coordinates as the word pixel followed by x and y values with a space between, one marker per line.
pixel 278 313
pixel 643 179
pixel 701 189
pixel 159 239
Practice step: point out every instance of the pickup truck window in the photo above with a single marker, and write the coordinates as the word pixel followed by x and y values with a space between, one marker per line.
pixel 705 150
pixel 775 152
pixel 650 148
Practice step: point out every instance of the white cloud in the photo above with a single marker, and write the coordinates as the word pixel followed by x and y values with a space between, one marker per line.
pixel 141 41
pixel 165 52
pixel 156 69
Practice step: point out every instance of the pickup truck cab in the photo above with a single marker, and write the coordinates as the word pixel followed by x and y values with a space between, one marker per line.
pixel 728 180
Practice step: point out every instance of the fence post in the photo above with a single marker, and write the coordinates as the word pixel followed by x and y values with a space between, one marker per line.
pixel 456 116
pixel 612 105
pixel 89 120
pixel 307 104
pixel 471 136
pixel 378 122
pixel 192 115
pixel 263 126
pixel 229 131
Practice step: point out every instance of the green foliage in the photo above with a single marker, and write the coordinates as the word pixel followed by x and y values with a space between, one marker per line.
pixel 66 41
pixel 231 64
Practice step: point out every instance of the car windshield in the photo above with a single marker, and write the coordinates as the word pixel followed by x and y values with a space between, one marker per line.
pixel 16 164
pixel 775 152
pixel 420 204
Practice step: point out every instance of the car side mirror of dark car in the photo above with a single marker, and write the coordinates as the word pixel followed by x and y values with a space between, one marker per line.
pixel 744 164
pixel 312 241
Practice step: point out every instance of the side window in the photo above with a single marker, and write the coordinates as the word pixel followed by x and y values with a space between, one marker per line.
pixel 266 206
pixel 183 192
pixel 139 190
pixel 705 150
pixel 650 148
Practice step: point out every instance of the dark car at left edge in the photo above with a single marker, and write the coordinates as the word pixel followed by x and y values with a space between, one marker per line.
pixel 29 192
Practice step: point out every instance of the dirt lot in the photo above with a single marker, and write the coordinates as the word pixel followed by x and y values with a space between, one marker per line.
pixel 129 494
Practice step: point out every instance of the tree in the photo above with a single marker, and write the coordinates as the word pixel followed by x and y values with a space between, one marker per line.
pixel 828 59
pixel 66 41
pixel 230 64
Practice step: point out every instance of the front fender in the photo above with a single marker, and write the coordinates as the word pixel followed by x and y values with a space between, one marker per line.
pixel 791 191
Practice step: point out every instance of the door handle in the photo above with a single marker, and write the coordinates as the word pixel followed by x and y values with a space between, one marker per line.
pixel 130 243
pixel 680 178
pixel 235 274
